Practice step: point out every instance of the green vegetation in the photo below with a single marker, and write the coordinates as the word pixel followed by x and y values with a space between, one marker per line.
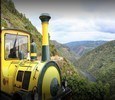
pixel 82 89
pixel 3 23
pixel 100 62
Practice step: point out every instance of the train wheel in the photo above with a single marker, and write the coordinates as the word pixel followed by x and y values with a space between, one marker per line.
pixel 49 81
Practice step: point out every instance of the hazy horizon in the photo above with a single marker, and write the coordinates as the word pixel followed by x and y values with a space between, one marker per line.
pixel 72 20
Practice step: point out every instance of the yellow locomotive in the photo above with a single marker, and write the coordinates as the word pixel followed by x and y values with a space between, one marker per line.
pixel 22 76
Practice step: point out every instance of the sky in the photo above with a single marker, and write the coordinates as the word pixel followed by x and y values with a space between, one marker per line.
pixel 72 20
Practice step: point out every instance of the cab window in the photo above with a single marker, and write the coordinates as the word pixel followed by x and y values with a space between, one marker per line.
pixel 14 44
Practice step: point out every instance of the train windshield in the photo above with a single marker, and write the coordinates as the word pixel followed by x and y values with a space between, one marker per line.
pixel 14 44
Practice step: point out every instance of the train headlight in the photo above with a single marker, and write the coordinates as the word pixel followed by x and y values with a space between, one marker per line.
pixel 54 87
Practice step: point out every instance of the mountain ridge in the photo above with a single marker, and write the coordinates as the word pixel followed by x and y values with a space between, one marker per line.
pixel 82 47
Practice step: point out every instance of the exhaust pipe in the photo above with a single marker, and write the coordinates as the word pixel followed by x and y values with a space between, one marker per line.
pixel 45 37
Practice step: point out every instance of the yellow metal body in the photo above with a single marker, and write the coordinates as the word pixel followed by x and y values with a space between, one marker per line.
pixel 10 68
pixel 33 54
pixel 45 39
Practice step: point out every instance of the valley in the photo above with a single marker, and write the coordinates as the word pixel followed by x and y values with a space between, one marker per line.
pixel 100 63
pixel 88 76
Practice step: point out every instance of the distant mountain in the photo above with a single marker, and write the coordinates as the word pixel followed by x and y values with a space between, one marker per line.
pixel 82 47
pixel 100 62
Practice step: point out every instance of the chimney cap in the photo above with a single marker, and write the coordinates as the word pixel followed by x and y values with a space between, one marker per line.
pixel 45 17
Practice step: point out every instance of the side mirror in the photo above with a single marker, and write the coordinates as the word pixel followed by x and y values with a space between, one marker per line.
pixel 21 55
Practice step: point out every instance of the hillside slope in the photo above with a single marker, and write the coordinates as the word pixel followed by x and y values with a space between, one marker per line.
pixel 100 62
pixel 66 52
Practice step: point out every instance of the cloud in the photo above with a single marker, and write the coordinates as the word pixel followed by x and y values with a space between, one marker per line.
pixel 107 26
pixel 77 29
pixel 73 24
pixel 73 20
pixel 81 36
pixel 64 30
